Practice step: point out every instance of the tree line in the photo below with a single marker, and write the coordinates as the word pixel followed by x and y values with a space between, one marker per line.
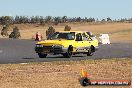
pixel 56 20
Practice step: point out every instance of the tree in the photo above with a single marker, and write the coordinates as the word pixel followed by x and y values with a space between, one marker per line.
pixel 109 19
pixel 32 19
pixel 37 19
pixel 103 20
pixel 64 19
pixel 6 20
pixel 78 19
pixel 85 19
pixel 58 19
pixel 91 20
pixel 17 20
pixel 48 19
pixel 42 22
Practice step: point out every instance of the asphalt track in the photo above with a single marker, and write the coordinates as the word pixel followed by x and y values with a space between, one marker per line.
pixel 22 51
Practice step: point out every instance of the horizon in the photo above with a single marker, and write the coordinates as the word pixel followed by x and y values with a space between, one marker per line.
pixel 101 9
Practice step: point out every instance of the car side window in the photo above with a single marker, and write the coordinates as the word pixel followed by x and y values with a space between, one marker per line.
pixel 85 37
pixel 78 37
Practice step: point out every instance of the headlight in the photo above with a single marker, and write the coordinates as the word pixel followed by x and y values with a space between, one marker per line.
pixel 57 46
pixel 38 45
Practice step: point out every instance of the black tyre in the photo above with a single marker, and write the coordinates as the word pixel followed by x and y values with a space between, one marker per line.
pixel 42 55
pixel 85 81
pixel 90 52
pixel 68 54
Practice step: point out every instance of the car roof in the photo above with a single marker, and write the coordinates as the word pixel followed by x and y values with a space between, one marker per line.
pixel 72 31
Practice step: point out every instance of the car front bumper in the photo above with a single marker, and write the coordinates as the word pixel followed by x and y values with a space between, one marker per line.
pixel 50 49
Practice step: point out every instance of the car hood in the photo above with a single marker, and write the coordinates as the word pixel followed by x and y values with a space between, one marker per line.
pixel 53 42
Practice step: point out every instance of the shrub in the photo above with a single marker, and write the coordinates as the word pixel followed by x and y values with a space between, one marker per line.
pixel 67 28
pixel 15 34
pixel 50 31
pixel 4 30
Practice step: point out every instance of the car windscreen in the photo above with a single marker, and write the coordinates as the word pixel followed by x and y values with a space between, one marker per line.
pixel 61 35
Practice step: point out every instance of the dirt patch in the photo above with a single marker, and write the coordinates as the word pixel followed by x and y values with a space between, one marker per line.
pixel 63 74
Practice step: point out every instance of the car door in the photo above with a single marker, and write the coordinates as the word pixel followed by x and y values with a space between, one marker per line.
pixel 79 42
pixel 87 41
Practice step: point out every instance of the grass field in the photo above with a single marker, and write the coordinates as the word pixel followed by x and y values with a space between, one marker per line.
pixel 63 74
pixel 118 31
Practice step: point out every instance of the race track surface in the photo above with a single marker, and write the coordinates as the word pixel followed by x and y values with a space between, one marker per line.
pixel 22 51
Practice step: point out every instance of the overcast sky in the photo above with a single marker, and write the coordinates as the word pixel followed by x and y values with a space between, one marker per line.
pixel 72 8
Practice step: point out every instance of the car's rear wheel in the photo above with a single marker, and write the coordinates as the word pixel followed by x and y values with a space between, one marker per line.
pixel 41 55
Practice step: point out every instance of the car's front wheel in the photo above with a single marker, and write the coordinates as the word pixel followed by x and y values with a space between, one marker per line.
pixel 41 55
pixel 68 54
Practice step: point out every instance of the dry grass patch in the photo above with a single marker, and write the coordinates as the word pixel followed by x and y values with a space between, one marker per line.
pixel 63 74
pixel 119 32
pixel 122 36
pixel 28 30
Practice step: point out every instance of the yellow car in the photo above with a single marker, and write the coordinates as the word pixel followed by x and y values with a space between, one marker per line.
pixel 67 43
